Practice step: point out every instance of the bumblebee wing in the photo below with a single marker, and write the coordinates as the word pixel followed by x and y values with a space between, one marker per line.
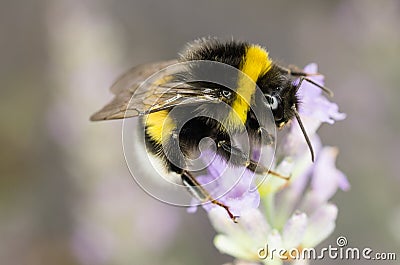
pixel 134 77
pixel 141 91
pixel 125 87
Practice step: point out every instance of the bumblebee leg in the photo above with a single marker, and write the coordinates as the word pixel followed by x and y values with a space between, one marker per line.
pixel 259 169
pixel 195 188
pixel 240 158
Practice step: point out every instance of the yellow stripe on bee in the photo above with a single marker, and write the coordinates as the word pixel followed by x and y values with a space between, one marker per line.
pixel 255 63
pixel 159 126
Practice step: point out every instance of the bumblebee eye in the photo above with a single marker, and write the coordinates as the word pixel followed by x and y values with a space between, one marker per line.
pixel 272 102
pixel 226 93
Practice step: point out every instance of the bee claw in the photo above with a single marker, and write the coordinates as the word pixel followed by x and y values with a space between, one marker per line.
pixel 235 219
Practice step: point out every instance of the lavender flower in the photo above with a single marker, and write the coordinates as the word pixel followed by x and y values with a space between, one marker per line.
pixel 295 213
pixel 238 193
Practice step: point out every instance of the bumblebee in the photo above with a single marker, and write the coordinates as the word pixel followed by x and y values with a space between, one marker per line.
pixel 181 107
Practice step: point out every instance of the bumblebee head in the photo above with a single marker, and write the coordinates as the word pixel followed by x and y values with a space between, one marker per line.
pixel 283 107
pixel 280 95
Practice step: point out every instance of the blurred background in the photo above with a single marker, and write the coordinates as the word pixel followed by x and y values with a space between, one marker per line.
pixel 66 196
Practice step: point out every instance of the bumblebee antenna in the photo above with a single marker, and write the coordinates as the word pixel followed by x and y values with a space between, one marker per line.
pixel 296 113
pixel 305 76
pixel 323 88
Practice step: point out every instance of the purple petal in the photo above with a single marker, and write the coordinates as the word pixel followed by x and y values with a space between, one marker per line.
pixel 252 222
pixel 295 144
pixel 321 224
pixel 294 230
pixel 311 68
pixel 326 177
pixel 321 109
pixel 230 185
pixel 314 104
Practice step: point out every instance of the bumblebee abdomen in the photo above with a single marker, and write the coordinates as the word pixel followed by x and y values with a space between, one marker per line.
pixel 175 138
pixel 159 126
